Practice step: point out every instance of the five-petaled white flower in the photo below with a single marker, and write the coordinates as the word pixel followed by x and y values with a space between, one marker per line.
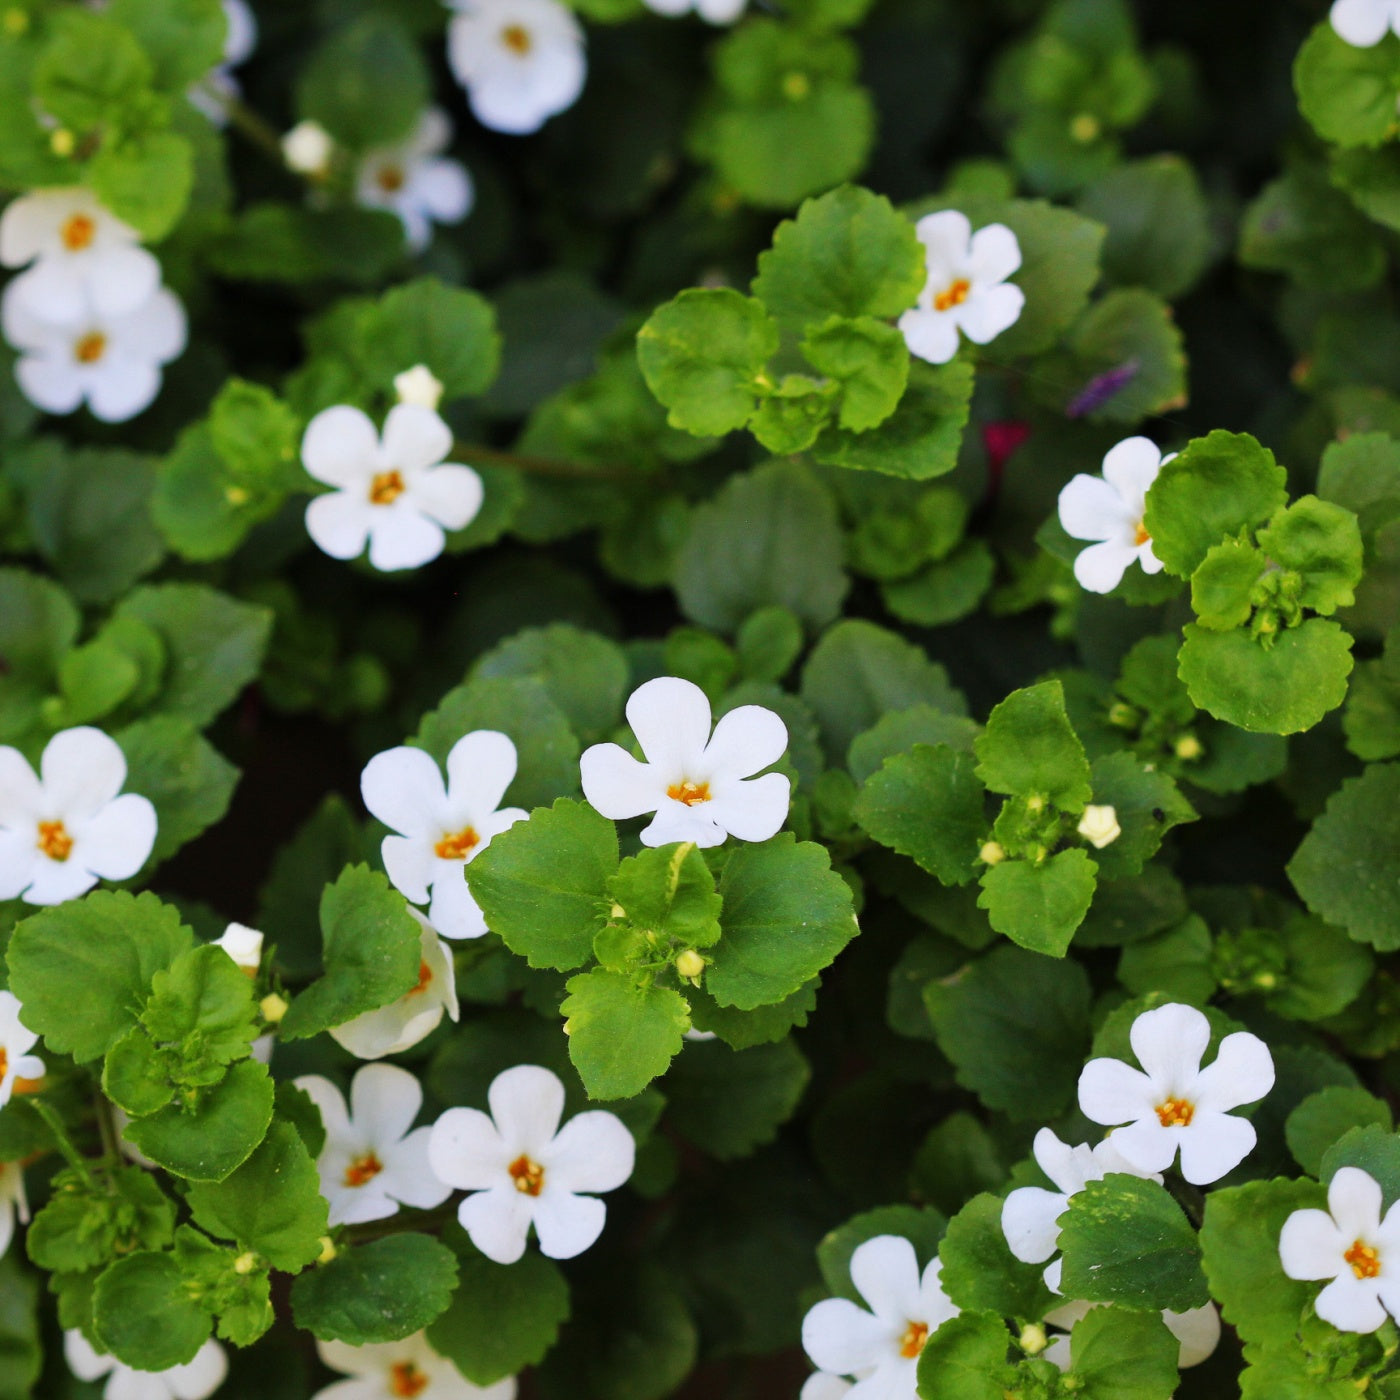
pixel 1197 1330
pixel 966 289
pixel 16 1040
pixel 64 831
pixel 412 1017
pixel 712 12
pixel 397 493
pixel 699 785
pixel 394 1370
pixel 13 1202
pixel 523 1169
pixel 1110 509
pixel 1030 1215
pixel 415 181
pixel 1365 23
pixel 1353 1246
pixel 83 257
pixel 194 1380
pixel 219 86
pixel 521 61
pixel 371 1163
pixel 1176 1103
pixel 880 1348
pixel 111 362
pixel 442 828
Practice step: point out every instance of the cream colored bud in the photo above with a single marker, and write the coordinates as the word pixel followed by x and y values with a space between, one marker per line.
pixel 690 964
pixel 328 1250
pixel 992 853
pixel 1189 748
pixel 420 386
pixel 1099 826
pixel 245 1263
pixel 1033 1339
pixel 1035 803
pixel 62 142
pixel 273 1008
pixel 307 149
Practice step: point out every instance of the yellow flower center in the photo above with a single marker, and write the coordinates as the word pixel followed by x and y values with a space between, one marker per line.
pixel 688 792
pixel 458 845
pixel 912 1343
pixel 1140 535
pixel 390 179
pixel 1364 1261
pixel 1176 1113
pixel 386 488
pixel 517 39
pixel 78 232
pixel 407 1380
pixel 54 840
pixel 425 976
pixel 527 1174
pixel 953 295
pixel 90 348
pixel 363 1170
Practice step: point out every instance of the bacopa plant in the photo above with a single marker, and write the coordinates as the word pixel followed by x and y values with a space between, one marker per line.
pixel 699 701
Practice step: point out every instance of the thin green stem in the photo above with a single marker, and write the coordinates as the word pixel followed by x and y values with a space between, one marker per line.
pixel 536 466
pixel 247 122
pixel 58 1128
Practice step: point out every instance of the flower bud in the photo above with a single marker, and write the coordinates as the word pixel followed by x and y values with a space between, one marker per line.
pixel 307 149
pixel 62 142
pixel 245 1263
pixel 1032 1340
pixel 420 386
pixel 1099 826
pixel 328 1250
pixel 992 853
pixel 1189 748
pixel 273 1008
pixel 690 964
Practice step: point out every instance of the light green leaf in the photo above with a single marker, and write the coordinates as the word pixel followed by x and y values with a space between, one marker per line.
pixel 1039 906
pixel 1346 92
pixel 184 39
pixel 965 1359
pixel 1324 1117
pixel 1121 1355
pixel 868 359
pixel 980 1272
pixel 1147 803
pixel 621 1034
pixel 1029 748
pixel 1222 589
pixel 668 891
pixel 1321 542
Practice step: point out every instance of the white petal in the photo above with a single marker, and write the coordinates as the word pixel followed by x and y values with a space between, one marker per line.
pixel 931 335
pixel 1361 22
pixel 592 1152
pixel 455 914
pixel 82 769
pixel 118 841
pixel 55 882
pixel 19 862
pixel 388 1030
pixel 752 810
pixel 340 447
pixel 408 1175
pixel 414 438
pixel 498 1221
pixel 988 312
pixel 1130 468
pixel 1198 1331
pixel 618 786
pixel 1214 1144
pixel 1147 1145
pixel 480 767
pixel 121 388
pixel 403 788
pixel 401 538
pixel 1111 1092
pixel 466 1151
pixel 845 1339
pixel 121 278
pixel 671 719
pixel 21 797
pixel 1354 1200
pixel 947 238
pixel 450 494
pixel 1068 1167
pixel 1350 1304
pixel 566 1224
pixel 674 821
pixel 1100 568
pixel 331 1104
pixel 935 1306
pixel 201 1376
pixel 885 1273
pixel 1030 1219
pixel 1169 1042
pixel 433 134
pixel 410 865
pixel 821 1385
pixel 49 383
pixel 995 254
pixel 53 290
pixel 526 1103
pixel 84 1362
pixel 1242 1071
pixel 156 330
pixel 339 523
pixel 746 741
pixel 1092 509
pixel 444 189
pixel 384 1101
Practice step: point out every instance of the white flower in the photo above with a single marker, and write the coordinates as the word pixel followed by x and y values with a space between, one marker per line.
pixel 194 1380
pixel 419 385
pixel 414 1016
pixel 64 831
pixel 1176 1104
pixel 391 492
pixel 82 256
pixel 442 828
pixel 413 181
pixel 1099 826
pixel 822 1385
pixel 966 288
pixel 243 945
pixel 712 12
pixel 220 86
pixel 1197 1331
pixel 1110 509
pixel 16 1040
pixel 1030 1215
pixel 13 1202
pixel 523 1169
pixel 880 1348
pixel 111 362
pixel 1365 22
pixel 1350 1244
pixel 393 1370
pixel 307 148
pixel 521 61
pixel 698 784
pixel 371 1163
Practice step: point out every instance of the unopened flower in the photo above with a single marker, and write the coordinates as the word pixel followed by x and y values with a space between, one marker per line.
pixel 16 1040
pixel 63 831
pixel 194 1380
pixel 396 493
pixel 521 61
pixel 1365 23
pixel 880 1348
pixel 82 257
pixel 243 945
pixel 1197 1331
pixel 387 1030
pixel 1110 509
pixel 307 148
pixel 415 181
pixel 13 1202
pixel 523 1169
pixel 1353 1246
pixel 1099 826
pixel 420 386
pixel 393 1370
pixel 111 362
pixel 371 1163
pixel 1030 1215
pixel 220 86
pixel 712 12
pixel 1176 1104
pixel 440 828
pixel 699 784
pixel 966 290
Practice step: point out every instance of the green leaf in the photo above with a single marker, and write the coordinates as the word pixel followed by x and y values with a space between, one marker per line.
pixel 621 1034
pixel 965 1359
pixel 38 624
pixel 928 804
pixel 1039 906
pixel 276 242
pixel 901 730
pixel 1176 963
pixel 1029 748
pixel 1125 1240
pixel 1325 1116
pixel 729 1103
pixel 868 359
pixel 786 916
pixel 91 70
pixel 145 180
pixel 703 355
pixel 922 1227
pixel 271 1205
pixel 377 1292
pixel 21 1355
pixel 1346 92
pixel 1321 542
pixel 1016 1027
pixel 502 1318
pixel 980 1272
pixel 769 537
pixel 1222 589
pixel 946 591
pixel 796 409
pixel 144 1315
pixel 205 1001
pixel 1280 689
pixel 85 1226
pixel 100 953
pixel 668 891
pixel 1147 803
pixel 1122 1355
pixel 1372 1148
pixel 543 884
pixel 372 947
pixel 238 1296
pixel 184 39
pixel 366 84
pixel 1216 486
pixel 741 1030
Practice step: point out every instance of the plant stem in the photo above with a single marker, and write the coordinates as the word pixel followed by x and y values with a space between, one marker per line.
pixel 56 1126
pixel 247 122
pixel 536 466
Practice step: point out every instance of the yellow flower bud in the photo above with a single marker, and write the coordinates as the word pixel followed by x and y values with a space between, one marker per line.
pixel 690 964
pixel 62 142
pixel 273 1008
pixel 1189 748
pixel 992 853
pixel 245 1263
pixel 328 1250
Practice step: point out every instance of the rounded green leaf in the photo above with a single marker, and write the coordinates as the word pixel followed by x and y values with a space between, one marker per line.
pixel 1040 906
pixel 144 1314
pixel 1347 92
pixel 622 1033
pixel 377 1292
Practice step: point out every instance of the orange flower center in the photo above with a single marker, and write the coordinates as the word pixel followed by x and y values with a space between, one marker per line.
pixel 912 1343
pixel 78 232
pixel 425 976
pixel 362 1171
pixel 90 348
pixel 953 295
pixel 457 846
pixel 407 1380
pixel 517 39
pixel 688 792
pixel 1364 1261
pixel 4 1061
pixel 391 179
pixel 54 840
pixel 528 1175
pixel 1140 535
pixel 386 488
pixel 1176 1113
